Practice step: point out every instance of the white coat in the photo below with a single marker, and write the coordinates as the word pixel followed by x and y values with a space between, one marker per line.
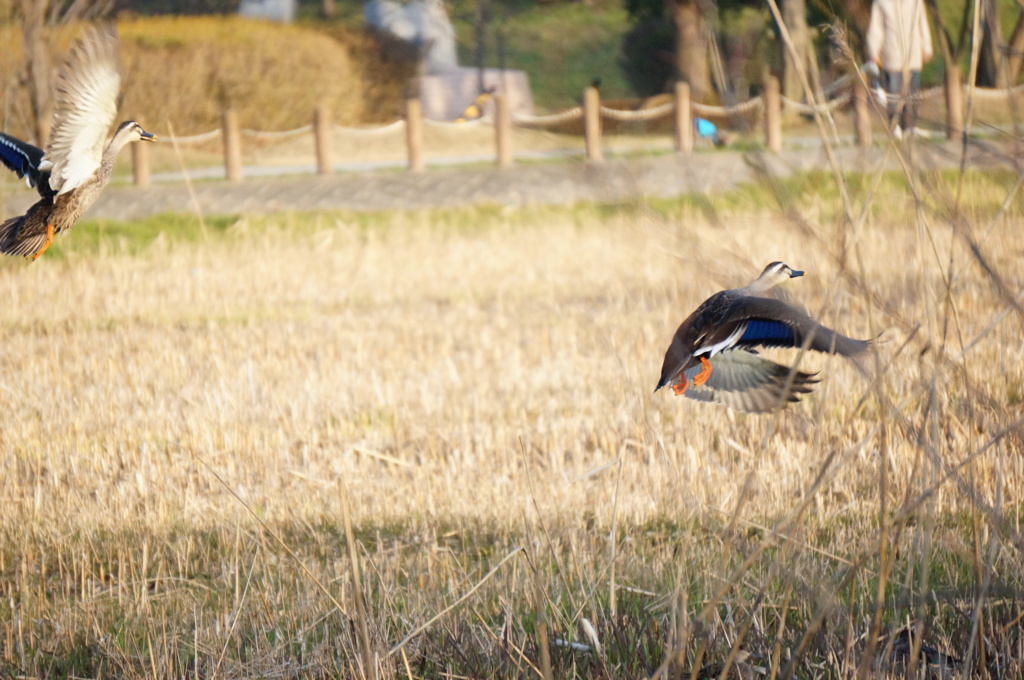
pixel 898 35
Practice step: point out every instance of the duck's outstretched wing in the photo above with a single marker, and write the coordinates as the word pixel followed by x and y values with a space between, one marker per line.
pixel 751 322
pixel 86 103
pixel 744 381
pixel 23 159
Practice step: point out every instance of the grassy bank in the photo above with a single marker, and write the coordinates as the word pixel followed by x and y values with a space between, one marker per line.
pixel 187 417
pixel 809 191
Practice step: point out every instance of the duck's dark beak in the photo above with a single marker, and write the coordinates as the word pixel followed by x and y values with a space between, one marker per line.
pixel 147 137
pixel 793 273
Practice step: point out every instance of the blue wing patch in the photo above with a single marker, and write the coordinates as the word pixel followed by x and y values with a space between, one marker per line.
pixel 14 158
pixel 770 333
pixel 23 159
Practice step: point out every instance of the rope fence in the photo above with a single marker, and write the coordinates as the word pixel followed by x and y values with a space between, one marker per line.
pixel 381 130
pixel 741 109
pixel 990 93
pixel 283 134
pixel 442 124
pixel 769 107
pixel 200 138
pixel 809 109
pixel 573 114
pixel 931 93
pixel 652 113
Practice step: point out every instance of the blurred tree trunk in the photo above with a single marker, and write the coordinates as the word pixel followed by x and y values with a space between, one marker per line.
pixel 328 9
pixel 37 77
pixel 992 71
pixel 951 57
pixel 794 15
pixel 1015 59
pixel 691 45
pixel 39 18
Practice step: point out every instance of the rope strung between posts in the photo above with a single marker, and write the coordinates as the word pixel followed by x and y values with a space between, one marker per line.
pixel 458 124
pixel 639 114
pixel 260 134
pixel 575 113
pixel 979 92
pixel 196 139
pixel 991 93
pixel 881 94
pixel 382 129
pixel 736 109
pixel 840 83
pixel 839 102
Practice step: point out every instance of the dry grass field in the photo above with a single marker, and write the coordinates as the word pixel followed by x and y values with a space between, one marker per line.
pixel 426 445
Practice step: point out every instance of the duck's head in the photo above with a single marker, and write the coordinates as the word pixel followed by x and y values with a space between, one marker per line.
pixel 130 131
pixel 773 275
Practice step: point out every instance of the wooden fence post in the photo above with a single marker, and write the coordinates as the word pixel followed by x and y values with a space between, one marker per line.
pixel 861 113
pixel 684 118
pixel 322 138
pixel 592 124
pixel 414 133
pixel 140 165
pixel 503 130
pixel 773 114
pixel 232 146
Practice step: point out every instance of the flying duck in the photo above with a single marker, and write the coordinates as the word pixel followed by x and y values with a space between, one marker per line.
pixel 712 357
pixel 71 173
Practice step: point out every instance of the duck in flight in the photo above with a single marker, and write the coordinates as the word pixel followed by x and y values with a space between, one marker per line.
pixel 713 355
pixel 75 167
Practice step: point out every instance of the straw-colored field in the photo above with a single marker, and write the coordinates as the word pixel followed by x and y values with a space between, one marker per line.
pixel 182 420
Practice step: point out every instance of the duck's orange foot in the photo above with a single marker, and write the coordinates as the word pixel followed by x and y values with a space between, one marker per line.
pixel 704 374
pixel 46 244
pixel 680 386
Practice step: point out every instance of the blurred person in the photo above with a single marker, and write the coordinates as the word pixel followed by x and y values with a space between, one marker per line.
pixel 899 41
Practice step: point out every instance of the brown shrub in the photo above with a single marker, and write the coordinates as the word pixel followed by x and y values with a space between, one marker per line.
pixel 386 65
pixel 186 70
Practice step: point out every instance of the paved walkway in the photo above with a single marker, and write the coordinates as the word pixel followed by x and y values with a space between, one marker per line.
pixel 549 183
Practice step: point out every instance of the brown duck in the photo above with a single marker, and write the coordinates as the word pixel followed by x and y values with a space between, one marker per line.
pixel 713 355
pixel 74 169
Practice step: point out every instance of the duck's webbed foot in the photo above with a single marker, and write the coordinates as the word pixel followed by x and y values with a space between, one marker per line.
pixel 704 374
pixel 681 386
pixel 46 244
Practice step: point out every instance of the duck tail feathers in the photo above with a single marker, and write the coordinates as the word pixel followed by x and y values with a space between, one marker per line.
pixel 828 341
pixel 9 233
pixel 851 347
